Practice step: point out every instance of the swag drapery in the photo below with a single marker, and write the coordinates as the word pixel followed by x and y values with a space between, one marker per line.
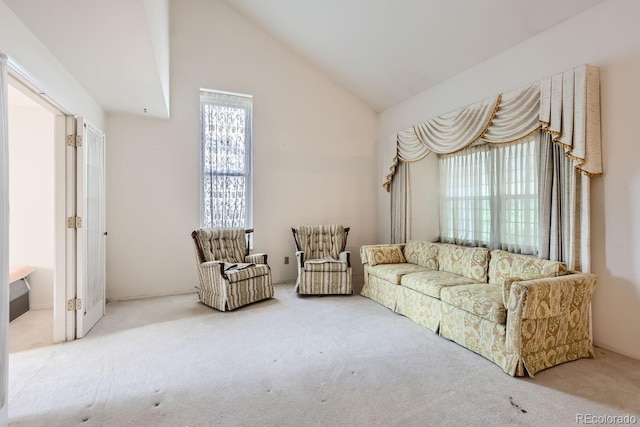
pixel 565 106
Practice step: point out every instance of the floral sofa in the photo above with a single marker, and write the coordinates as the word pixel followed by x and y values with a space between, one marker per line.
pixel 523 313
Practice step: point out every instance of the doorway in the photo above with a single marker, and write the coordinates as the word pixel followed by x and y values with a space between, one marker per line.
pixel 72 181
pixel 31 232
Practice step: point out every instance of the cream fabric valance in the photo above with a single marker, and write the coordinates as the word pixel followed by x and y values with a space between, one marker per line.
pixel 566 105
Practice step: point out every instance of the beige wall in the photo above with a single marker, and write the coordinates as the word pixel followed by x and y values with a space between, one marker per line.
pixel 31 198
pixel 314 155
pixel 608 37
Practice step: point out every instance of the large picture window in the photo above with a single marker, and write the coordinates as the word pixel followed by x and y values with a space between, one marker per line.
pixel 226 161
pixel 489 196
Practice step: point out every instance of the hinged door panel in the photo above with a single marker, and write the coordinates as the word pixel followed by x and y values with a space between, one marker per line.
pixel 91 226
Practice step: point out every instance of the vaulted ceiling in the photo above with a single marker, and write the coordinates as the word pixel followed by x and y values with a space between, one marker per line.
pixel 384 51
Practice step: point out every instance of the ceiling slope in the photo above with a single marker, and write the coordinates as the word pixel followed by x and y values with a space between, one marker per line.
pixel 386 51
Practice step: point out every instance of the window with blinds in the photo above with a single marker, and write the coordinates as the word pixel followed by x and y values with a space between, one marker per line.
pixel 489 196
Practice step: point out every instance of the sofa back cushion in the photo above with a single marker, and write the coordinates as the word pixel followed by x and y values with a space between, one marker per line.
pixel 424 254
pixel 504 265
pixel 465 261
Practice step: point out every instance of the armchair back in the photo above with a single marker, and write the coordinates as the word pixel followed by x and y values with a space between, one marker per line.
pixel 221 244
pixel 321 241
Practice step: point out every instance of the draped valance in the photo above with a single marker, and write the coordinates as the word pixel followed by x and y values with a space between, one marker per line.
pixel 566 105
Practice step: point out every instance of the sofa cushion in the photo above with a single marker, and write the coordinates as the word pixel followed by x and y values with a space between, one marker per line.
pixel 483 300
pixel 390 254
pixel 394 272
pixel 424 254
pixel 431 282
pixel 465 261
pixel 506 264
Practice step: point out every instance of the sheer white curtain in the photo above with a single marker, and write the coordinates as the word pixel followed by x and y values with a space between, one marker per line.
pixel 489 196
pixel 226 161
pixel 4 229
pixel 565 106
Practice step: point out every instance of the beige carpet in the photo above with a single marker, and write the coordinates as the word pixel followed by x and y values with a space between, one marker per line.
pixel 293 361
pixel 31 330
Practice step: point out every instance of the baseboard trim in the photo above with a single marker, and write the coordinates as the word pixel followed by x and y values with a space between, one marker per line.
pixel 40 306
pixel 143 296
pixel 615 350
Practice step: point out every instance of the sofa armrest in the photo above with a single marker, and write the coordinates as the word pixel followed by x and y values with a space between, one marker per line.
pixel 549 320
pixel 366 250
pixel 550 296
pixel 345 256
pixel 258 258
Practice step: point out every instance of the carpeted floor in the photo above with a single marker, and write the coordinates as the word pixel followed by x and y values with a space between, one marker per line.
pixel 295 361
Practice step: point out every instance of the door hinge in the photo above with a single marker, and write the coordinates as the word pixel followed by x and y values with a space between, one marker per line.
pixel 74 140
pixel 74 222
pixel 74 304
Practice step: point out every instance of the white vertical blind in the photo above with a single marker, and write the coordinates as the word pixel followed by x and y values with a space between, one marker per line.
pixel 489 197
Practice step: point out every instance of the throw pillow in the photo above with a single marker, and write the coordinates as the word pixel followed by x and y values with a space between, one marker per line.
pixel 385 255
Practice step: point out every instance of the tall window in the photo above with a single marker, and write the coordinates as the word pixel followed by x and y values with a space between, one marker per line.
pixel 226 162
pixel 489 196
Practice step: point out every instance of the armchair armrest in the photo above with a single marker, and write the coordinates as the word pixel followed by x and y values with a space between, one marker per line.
pixel 258 258
pixel 213 269
pixel 345 256
pixel 300 258
pixel 549 320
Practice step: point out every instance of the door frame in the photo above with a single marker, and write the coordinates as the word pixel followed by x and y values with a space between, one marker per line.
pixel 64 280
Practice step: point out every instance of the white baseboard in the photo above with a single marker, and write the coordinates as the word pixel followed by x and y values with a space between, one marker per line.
pixel 142 296
pixel 616 350
pixel 40 306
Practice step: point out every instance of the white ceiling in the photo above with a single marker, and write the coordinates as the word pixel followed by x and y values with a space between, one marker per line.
pixel 384 51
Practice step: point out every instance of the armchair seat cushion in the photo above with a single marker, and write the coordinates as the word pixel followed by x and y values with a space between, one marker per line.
pixel 483 300
pixel 325 265
pixel 238 275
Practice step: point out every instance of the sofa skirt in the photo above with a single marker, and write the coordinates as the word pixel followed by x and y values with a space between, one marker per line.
pixel 420 308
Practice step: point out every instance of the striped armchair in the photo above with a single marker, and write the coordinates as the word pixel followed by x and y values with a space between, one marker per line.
pixel 229 276
pixel 324 267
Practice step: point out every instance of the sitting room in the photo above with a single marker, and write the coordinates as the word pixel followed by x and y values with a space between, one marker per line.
pixel 463 288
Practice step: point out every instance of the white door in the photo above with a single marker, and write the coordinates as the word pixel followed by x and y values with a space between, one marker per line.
pixel 91 229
